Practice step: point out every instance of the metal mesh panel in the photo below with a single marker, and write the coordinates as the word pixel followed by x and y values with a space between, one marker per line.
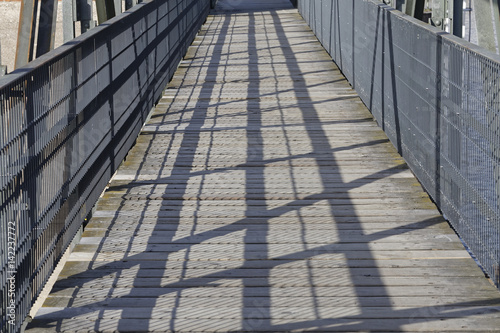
pixel 437 98
pixel 67 120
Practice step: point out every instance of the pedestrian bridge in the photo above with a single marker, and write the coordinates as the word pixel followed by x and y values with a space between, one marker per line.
pixel 270 189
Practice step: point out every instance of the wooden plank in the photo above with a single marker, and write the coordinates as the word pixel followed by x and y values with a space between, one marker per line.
pixel 472 323
pixel 90 268
pixel 137 257
pixel 419 303
pixel 277 312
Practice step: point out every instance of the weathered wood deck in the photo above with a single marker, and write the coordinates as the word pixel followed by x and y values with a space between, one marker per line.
pixel 261 196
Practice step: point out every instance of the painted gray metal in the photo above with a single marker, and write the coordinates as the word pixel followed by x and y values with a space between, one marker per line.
pixel 3 68
pixel 69 16
pixel 26 32
pixel 46 26
pixel 67 120
pixel 105 10
pixel 84 15
pixel 437 98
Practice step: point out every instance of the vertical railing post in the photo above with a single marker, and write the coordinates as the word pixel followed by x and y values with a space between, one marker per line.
pixel 448 15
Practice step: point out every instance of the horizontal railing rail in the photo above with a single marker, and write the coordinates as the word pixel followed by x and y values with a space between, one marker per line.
pixel 67 120
pixel 437 98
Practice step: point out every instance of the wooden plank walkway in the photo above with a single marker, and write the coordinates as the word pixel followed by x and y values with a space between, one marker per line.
pixel 262 196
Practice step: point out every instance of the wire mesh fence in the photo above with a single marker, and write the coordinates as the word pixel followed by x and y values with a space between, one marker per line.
pixel 437 98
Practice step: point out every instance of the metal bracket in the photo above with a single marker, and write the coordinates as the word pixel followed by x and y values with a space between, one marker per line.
pixel 413 8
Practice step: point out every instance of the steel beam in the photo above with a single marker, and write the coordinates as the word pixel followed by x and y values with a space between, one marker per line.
pixel 130 3
pixel 439 10
pixel 448 15
pixel 105 10
pixel 415 8
pixel 458 17
pixel 3 68
pixel 118 7
pixel 46 26
pixel 84 14
pixel 26 32
pixel 69 14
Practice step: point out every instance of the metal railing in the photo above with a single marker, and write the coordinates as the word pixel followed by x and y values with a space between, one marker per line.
pixel 67 120
pixel 437 98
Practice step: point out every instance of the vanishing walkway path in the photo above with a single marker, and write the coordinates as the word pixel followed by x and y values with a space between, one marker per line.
pixel 261 196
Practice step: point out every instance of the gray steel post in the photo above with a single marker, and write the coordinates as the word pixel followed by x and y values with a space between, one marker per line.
pixel 68 20
pixel 458 17
pixel 118 7
pixel 130 3
pixel 3 68
pixel 46 26
pixel 84 14
pixel 415 8
pixel 26 32
pixel 105 10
